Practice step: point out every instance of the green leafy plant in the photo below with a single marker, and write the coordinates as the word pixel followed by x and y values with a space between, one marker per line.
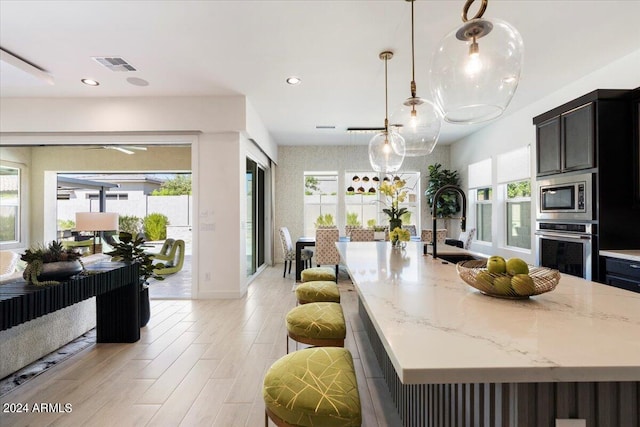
pixel 130 250
pixel 311 185
pixel 448 202
pixel 177 186
pixel 406 217
pixel 325 220
pixel 155 226
pixel 352 219
pixel 371 223
pixel 130 224
pixel 38 255
pixel 66 224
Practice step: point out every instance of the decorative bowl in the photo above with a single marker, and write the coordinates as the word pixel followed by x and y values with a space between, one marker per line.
pixel 544 279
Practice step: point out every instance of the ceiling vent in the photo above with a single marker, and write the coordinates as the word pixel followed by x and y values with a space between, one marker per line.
pixel 113 63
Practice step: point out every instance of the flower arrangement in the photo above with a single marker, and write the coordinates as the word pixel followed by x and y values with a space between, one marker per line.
pixel 395 193
pixel 399 235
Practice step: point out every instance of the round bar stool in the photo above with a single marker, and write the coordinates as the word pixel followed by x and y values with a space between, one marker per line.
pixel 313 387
pixel 318 323
pixel 318 273
pixel 318 291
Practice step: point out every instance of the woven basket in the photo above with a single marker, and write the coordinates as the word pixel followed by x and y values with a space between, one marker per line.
pixel 544 279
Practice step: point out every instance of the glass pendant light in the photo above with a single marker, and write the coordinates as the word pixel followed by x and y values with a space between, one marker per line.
pixel 387 148
pixel 476 68
pixel 420 119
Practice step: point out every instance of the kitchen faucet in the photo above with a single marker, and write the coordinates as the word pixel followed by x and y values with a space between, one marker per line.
pixel 463 219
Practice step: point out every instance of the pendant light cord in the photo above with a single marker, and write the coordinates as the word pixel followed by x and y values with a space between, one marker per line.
pixel 413 55
pixel 386 95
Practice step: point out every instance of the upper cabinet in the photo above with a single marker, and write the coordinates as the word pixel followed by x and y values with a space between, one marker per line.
pixel 567 137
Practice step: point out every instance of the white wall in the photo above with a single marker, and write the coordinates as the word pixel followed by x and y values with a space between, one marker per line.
pixel 516 130
pixel 212 125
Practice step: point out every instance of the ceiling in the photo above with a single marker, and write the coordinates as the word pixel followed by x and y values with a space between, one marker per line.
pixel 209 48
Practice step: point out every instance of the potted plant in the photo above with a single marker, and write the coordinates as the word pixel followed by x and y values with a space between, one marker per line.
pixel 447 204
pixel 48 264
pixel 130 250
pixel 395 193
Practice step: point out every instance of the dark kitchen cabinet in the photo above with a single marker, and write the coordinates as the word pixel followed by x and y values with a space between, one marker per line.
pixel 548 147
pixel 567 137
pixel 623 273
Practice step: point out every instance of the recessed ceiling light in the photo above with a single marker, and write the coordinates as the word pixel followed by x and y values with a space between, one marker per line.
pixel 293 80
pixel 90 82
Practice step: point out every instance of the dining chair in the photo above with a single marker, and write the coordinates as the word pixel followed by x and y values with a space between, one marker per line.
pixel 326 250
pixel 411 228
pixel 289 252
pixel 362 235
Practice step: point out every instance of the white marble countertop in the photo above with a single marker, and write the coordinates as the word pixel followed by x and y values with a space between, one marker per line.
pixel 437 329
pixel 629 254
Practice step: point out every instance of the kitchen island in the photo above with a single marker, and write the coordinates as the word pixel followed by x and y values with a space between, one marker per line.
pixel 452 356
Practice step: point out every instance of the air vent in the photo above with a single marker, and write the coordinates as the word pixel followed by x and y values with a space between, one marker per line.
pixel 114 63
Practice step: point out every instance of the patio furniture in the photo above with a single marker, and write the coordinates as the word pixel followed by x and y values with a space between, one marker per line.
pixel 173 260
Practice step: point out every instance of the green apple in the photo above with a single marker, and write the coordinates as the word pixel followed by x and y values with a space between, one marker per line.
pixel 496 265
pixel 523 284
pixel 502 285
pixel 485 280
pixel 517 266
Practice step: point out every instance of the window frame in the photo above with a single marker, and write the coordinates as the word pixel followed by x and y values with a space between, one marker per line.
pixel 519 200
pixel 18 205
pixel 479 235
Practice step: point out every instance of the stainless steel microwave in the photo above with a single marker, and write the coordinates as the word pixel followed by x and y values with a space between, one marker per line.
pixel 566 198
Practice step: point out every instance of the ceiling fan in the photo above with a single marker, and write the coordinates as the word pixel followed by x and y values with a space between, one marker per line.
pixel 127 149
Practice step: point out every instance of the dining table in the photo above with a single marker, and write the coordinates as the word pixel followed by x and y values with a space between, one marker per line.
pixel 302 243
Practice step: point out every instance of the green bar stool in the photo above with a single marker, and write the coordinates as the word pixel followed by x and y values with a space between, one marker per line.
pixel 319 323
pixel 313 387
pixel 318 291
pixel 314 274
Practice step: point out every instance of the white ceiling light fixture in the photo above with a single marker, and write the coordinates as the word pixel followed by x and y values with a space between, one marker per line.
pixel 293 80
pixel 387 148
pixel 420 118
pixel 476 69
pixel 90 82
pixel 126 149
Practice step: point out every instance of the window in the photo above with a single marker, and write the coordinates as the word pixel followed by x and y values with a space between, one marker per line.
pixel 9 204
pixel 320 200
pixel 481 195
pixel 108 196
pixel 363 202
pixel 483 214
pixel 518 203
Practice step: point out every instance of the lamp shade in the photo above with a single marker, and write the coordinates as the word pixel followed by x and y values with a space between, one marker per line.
pixel 386 151
pixel 96 221
pixel 420 122
pixel 476 69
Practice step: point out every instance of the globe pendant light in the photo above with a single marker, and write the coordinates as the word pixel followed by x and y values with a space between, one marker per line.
pixel 476 69
pixel 387 148
pixel 419 118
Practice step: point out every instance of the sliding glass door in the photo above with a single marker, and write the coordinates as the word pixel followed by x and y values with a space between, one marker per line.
pixel 255 186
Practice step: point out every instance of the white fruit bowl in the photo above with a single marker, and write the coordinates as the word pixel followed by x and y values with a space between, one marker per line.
pixel 544 279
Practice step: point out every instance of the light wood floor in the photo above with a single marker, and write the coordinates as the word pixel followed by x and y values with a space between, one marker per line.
pixel 198 363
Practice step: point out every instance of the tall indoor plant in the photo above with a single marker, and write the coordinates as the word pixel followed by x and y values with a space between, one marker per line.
pixel 447 204
pixel 130 250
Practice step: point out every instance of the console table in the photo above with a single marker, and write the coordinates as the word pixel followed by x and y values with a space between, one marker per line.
pixel 115 286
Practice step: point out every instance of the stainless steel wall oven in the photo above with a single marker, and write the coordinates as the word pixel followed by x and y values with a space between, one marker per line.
pixel 567 247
